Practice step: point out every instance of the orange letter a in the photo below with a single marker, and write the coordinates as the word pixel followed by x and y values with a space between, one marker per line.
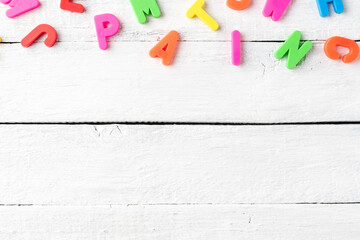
pixel 166 47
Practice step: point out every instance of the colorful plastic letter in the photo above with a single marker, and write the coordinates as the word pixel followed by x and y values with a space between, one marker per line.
pixel 238 5
pixel 275 8
pixel 236 48
pixel 291 48
pixel 107 25
pixel 145 7
pixel 330 49
pixel 37 32
pixel 165 49
pixel 68 5
pixel 19 7
pixel 323 6
pixel 197 10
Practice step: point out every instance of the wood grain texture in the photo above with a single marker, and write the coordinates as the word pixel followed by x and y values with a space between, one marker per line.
pixel 121 164
pixel 75 81
pixel 79 82
pixel 301 15
pixel 177 182
pixel 272 222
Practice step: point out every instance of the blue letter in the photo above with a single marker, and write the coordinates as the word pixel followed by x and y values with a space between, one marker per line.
pixel 323 6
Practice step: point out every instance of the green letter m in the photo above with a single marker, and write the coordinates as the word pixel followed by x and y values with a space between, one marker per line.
pixel 145 7
pixel 291 46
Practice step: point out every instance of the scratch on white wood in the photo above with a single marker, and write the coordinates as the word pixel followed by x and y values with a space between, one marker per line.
pixel 178 164
pixel 301 15
pixel 79 82
pixel 314 222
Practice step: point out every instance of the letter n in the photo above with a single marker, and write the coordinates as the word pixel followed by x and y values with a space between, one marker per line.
pixel 292 49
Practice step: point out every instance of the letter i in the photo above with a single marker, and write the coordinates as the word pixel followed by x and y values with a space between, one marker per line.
pixel 236 48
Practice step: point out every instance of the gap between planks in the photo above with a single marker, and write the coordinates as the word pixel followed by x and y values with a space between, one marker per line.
pixel 173 204
pixel 188 123
pixel 205 41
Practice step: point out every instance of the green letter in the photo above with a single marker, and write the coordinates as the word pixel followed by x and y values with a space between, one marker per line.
pixel 291 46
pixel 142 7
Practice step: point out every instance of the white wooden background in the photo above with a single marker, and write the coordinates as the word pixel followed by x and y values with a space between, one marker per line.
pixel 113 145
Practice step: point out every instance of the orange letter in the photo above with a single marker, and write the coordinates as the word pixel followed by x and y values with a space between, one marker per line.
pixel 238 4
pixel 331 52
pixel 166 47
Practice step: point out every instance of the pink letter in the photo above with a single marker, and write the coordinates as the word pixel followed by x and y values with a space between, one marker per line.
pixel 107 25
pixel 236 48
pixel 275 8
pixel 19 7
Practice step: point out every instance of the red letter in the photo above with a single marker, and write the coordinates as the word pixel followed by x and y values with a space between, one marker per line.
pixel 37 32
pixel 72 7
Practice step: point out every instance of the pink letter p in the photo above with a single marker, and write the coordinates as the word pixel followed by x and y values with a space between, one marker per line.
pixel 107 25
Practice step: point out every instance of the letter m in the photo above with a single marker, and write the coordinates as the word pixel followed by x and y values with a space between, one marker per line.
pixel 292 49
pixel 275 8
pixel 145 7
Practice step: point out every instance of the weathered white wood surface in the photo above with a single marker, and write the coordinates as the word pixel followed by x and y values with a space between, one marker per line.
pixel 121 164
pixel 298 222
pixel 301 15
pixel 177 182
pixel 75 81
pixel 79 82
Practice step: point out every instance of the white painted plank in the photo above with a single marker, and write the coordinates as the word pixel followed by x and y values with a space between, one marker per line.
pixel 313 222
pixel 301 15
pixel 79 82
pixel 178 164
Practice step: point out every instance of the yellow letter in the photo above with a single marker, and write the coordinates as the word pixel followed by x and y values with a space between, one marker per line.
pixel 198 11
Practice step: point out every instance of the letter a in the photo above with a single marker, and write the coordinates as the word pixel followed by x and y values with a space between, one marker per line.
pixel 197 10
pixel 165 48
pixel 145 7
pixel 291 48
pixel 107 25
pixel 275 8
pixel 238 5
pixel 323 6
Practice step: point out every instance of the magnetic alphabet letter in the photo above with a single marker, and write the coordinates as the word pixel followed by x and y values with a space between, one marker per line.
pixel 275 8
pixel 19 7
pixel 197 10
pixel 236 48
pixel 323 6
pixel 165 49
pixel 107 25
pixel 145 7
pixel 291 48
pixel 37 32
pixel 238 4
pixel 68 5
pixel 330 49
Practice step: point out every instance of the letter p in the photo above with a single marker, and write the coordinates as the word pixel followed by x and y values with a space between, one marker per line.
pixel 107 25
